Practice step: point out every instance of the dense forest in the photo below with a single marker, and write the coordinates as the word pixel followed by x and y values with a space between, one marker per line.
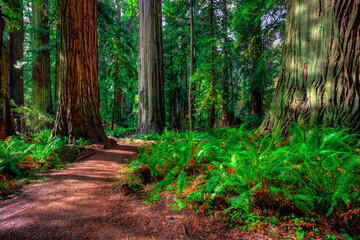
pixel 247 110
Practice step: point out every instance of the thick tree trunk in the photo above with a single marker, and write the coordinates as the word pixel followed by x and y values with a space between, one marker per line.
pixel 78 109
pixel 212 115
pixel 118 93
pixel 175 109
pixel 228 115
pixel 6 123
pixel 257 85
pixel 151 77
pixel 192 62
pixel 16 82
pixel 57 53
pixel 319 79
pixel 41 92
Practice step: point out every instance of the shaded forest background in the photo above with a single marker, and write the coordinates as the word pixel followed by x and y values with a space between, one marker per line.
pixel 236 59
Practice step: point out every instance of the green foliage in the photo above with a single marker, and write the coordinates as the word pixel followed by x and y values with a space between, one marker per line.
pixel 24 156
pixel 11 10
pixel 119 132
pixel 36 120
pixel 118 56
pixel 36 151
pixel 314 172
pixel 9 152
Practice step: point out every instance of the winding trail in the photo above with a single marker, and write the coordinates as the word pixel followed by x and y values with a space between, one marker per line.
pixel 77 203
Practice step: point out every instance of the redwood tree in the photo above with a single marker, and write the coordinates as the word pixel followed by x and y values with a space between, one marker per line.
pixel 228 114
pixel 151 77
pixel 6 124
pixel 212 114
pixel 254 36
pixel 192 86
pixel 57 52
pixel 16 53
pixel 320 75
pixel 41 92
pixel 78 109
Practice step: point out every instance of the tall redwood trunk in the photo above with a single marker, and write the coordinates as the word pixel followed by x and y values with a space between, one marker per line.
pixel 57 53
pixel 320 75
pixel 41 92
pixel 192 62
pixel 257 85
pixel 118 93
pixel 151 76
pixel 16 82
pixel 228 115
pixel 212 115
pixel 78 109
pixel 6 123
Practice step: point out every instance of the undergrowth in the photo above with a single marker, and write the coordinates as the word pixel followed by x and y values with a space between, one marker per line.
pixel 313 175
pixel 21 157
pixel 119 132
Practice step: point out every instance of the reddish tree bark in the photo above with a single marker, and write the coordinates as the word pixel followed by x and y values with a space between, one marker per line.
pixel 16 82
pixel 6 123
pixel 78 109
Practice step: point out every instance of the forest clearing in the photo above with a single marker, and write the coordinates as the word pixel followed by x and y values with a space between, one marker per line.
pixel 179 119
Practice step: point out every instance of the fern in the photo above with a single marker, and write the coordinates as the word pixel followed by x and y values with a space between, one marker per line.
pixel 181 181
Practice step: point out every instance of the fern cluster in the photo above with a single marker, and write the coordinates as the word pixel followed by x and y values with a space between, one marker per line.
pixel 23 156
pixel 314 172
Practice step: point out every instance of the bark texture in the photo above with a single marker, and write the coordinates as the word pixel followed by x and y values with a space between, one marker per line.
pixel 78 109
pixel 151 76
pixel 257 78
pixel 192 67
pixel 212 114
pixel 6 123
pixel 57 53
pixel 41 92
pixel 16 82
pixel 228 115
pixel 319 79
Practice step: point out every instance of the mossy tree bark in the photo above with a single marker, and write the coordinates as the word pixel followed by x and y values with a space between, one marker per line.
pixel 319 79
pixel 212 114
pixel 41 92
pixel 78 112
pixel 192 86
pixel 118 84
pixel 228 114
pixel 257 78
pixel 151 117
pixel 6 123
pixel 57 52
pixel 16 82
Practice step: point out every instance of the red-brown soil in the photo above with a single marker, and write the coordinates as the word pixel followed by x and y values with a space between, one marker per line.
pixel 77 203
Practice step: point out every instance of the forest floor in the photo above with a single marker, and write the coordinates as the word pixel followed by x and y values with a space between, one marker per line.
pixel 79 202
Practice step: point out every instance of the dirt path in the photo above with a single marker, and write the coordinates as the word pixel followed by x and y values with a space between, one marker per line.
pixel 77 203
